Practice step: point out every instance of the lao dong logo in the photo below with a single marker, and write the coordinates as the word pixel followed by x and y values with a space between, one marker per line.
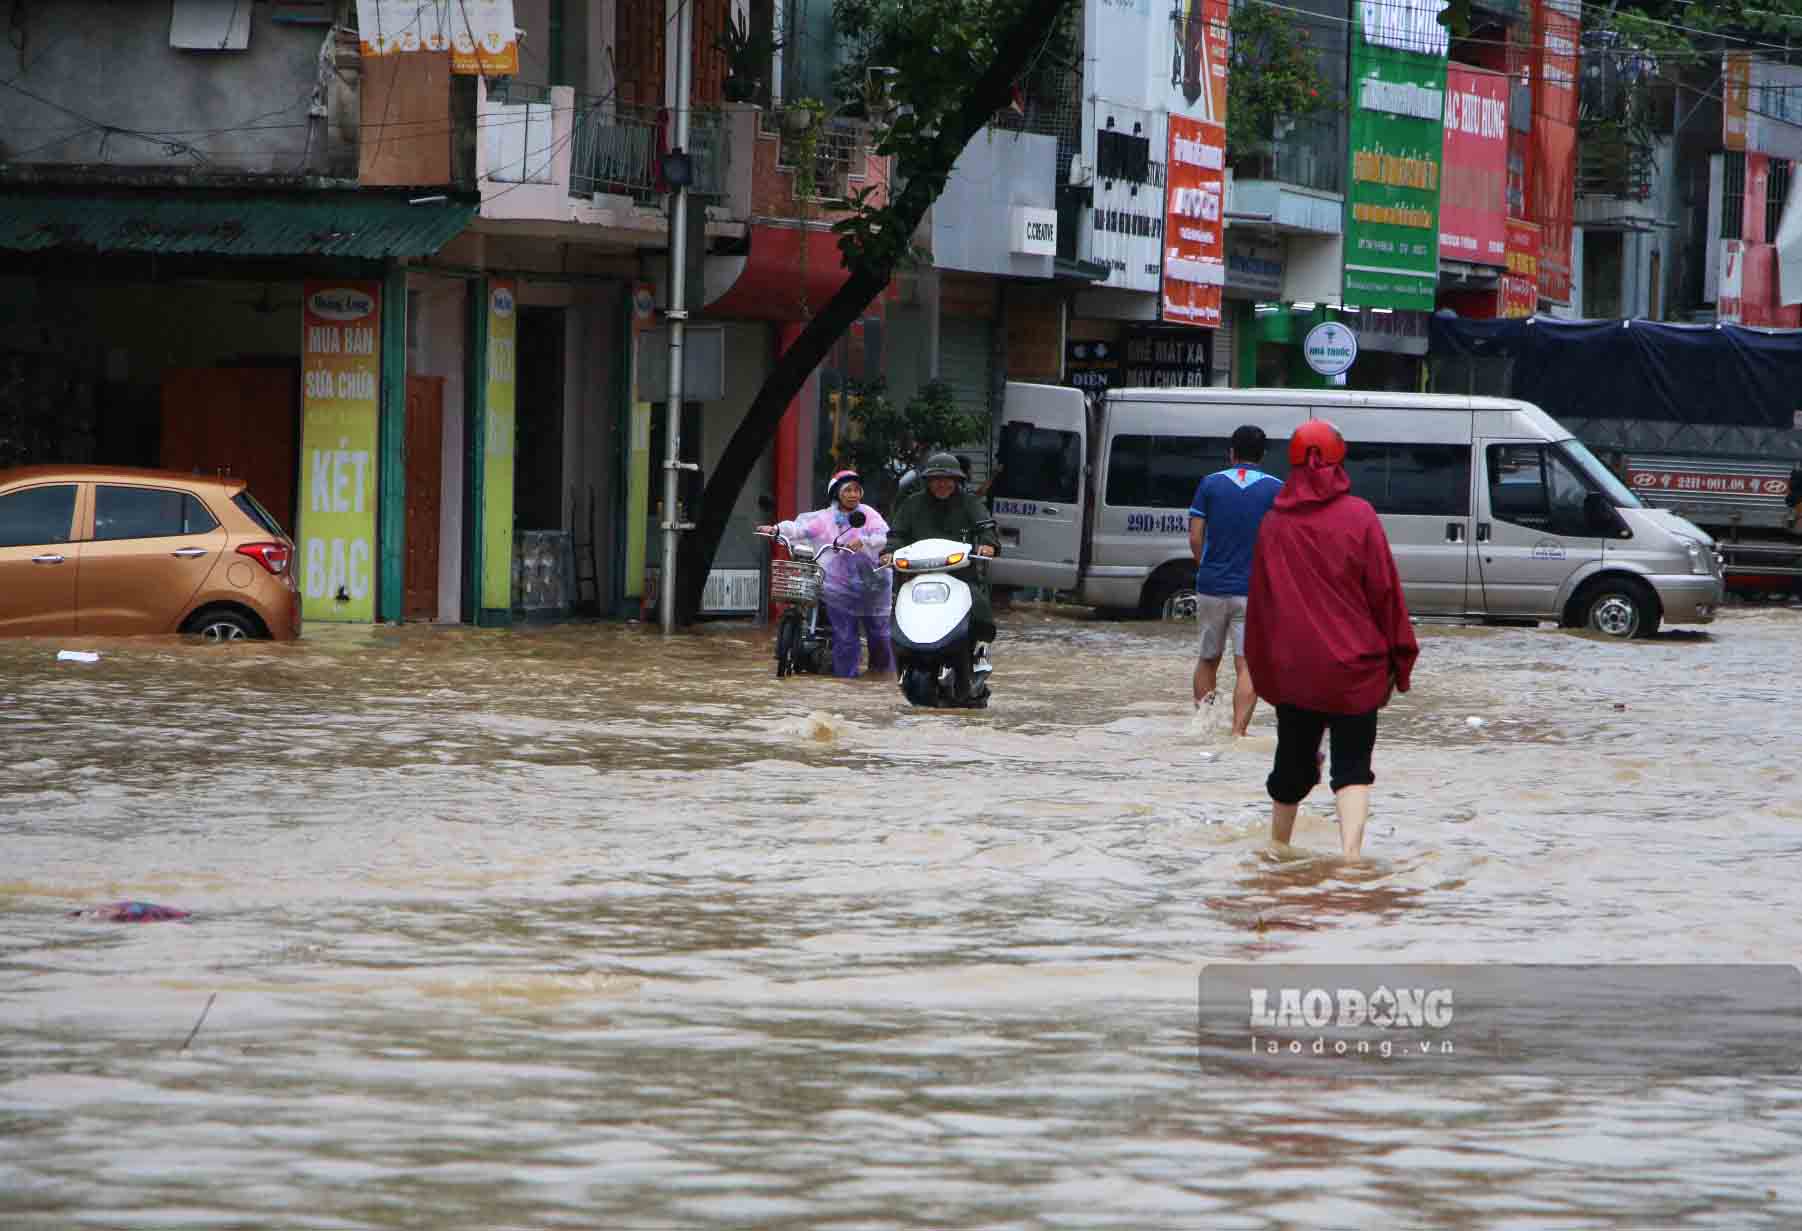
pixel 340 303
pixel 502 302
pixel 1346 1008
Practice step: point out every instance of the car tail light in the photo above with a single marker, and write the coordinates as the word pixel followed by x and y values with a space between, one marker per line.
pixel 272 556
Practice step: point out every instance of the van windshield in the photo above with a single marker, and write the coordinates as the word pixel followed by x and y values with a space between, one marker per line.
pixel 1619 494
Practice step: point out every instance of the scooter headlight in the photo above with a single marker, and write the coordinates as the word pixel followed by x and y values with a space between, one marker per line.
pixel 928 592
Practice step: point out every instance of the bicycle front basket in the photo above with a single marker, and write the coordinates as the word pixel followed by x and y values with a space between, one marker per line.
pixel 794 581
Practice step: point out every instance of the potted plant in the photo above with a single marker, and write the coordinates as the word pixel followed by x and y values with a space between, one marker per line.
pixel 748 57
pixel 1273 79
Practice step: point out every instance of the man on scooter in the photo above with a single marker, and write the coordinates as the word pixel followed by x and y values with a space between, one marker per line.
pixel 946 511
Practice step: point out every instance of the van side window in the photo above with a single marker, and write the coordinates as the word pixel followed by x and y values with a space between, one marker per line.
pixel 147 513
pixel 1530 485
pixel 1428 481
pixel 37 516
pixel 1037 463
pixel 1162 472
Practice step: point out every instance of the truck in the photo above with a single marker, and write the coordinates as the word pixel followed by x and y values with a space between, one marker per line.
pixel 1704 420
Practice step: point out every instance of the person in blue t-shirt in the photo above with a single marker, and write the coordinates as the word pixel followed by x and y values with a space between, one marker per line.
pixel 1223 528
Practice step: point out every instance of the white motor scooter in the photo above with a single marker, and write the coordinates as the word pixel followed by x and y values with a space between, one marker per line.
pixel 931 628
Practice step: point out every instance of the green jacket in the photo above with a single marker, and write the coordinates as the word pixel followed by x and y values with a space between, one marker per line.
pixel 921 517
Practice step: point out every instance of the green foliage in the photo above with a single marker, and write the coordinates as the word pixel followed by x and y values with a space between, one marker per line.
pixel 887 440
pixel 1272 76
pixel 1695 32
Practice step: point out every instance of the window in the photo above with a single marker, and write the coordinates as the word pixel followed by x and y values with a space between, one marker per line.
pixel 1428 481
pixel 247 505
pixel 1038 463
pixel 1733 194
pixel 1162 472
pixel 1776 196
pixel 37 516
pixel 147 513
pixel 1531 485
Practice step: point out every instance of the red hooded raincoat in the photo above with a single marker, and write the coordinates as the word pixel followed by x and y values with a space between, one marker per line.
pixel 1326 627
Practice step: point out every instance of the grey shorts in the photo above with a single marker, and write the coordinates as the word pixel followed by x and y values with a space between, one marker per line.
pixel 1218 615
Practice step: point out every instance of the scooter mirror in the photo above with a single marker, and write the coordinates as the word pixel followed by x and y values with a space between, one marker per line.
pixel 857 518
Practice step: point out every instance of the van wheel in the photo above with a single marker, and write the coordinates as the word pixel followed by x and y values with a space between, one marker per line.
pixel 1619 607
pixel 1169 595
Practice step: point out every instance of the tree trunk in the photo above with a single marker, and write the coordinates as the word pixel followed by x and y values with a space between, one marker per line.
pixel 992 91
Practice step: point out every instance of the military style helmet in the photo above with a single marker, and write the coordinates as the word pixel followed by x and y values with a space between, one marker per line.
pixel 942 466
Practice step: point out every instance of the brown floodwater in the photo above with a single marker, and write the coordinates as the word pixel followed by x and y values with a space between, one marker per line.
pixel 578 926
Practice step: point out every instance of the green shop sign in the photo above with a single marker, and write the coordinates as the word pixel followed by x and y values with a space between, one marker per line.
pixel 1397 113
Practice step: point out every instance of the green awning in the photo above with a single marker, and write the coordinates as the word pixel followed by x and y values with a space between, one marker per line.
pixel 337 224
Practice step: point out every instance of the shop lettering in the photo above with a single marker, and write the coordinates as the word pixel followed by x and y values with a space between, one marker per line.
pixel 1043 232
pixel 1123 222
pixel 330 340
pixel 334 565
pixel 1406 25
pixel 1198 153
pixel 1377 167
pixel 1477 115
pixel 338 476
pixel 1401 98
pixel 324 385
pixel 500 359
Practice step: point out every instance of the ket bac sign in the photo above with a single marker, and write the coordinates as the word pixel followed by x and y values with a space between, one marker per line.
pixel 1330 349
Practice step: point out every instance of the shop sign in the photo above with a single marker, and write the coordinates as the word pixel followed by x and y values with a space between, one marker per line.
pixel 1254 266
pixel 1330 348
pixel 1034 231
pixel 497 446
pixel 341 360
pixel 1397 140
pixel 1728 307
pixel 1194 236
pixel 1520 283
pixel 478 34
pixel 1473 206
pixel 1092 366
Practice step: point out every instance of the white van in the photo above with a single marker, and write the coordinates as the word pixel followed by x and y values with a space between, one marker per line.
pixel 1494 512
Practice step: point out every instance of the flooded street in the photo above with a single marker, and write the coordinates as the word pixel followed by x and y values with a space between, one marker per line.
pixel 573 927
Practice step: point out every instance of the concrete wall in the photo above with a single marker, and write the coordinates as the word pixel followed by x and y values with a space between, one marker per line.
pixel 750 350
pixel 111 64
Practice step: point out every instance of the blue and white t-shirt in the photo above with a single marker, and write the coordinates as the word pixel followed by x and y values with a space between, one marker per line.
pixel 1232 502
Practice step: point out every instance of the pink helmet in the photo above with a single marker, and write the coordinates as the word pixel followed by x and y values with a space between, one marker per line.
pixel 839 480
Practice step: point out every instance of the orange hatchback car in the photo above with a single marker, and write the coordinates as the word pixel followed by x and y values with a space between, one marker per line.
pixel 109 550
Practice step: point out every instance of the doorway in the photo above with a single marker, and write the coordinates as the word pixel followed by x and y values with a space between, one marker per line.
pixel 425 483
pixel 538 421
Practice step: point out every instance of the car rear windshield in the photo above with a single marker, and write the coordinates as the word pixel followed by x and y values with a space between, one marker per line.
pixel 247 504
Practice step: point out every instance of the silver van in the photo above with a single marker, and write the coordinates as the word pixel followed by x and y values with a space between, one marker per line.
pixel 1494 512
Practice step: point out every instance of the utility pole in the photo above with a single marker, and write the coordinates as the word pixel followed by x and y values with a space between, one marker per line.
pixel 678 171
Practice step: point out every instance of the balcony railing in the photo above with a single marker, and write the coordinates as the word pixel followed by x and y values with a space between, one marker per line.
pixel 1310 155
pixel 1615 168
pixel 617 150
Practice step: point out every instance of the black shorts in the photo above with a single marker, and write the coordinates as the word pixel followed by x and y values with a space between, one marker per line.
pixel 1297 767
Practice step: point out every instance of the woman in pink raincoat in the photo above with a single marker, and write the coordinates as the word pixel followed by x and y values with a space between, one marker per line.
pixel 854 592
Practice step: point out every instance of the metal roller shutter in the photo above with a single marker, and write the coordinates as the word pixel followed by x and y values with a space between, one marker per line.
pixel 964 365
pixel 1222 373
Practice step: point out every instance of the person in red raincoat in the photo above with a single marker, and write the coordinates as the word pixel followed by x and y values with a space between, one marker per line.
pixel 1327 635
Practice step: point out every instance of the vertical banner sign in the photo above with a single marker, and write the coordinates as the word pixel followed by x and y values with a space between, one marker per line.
pixel 342 361
pixel 497 448
pixel 1520 284
pixel 1123 132
pixel 1195 167
pixel 479 34
pixel 1194 246
pixel 1473 205
pixel 1736 83
pixel 1553 192
pixel 1397 140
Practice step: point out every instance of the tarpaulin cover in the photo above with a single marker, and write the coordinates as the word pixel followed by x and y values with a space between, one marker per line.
pixel 1638 370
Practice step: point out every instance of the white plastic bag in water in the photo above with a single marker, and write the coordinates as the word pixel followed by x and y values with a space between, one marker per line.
pixel 77 656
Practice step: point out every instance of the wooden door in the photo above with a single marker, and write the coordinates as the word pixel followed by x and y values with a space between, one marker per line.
pixel 425 489
pixel 236 421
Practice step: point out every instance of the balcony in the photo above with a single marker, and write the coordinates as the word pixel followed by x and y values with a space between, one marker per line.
pixel 1617 181
pixel 1311 154
pixel 617 151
